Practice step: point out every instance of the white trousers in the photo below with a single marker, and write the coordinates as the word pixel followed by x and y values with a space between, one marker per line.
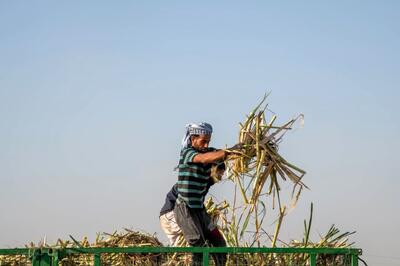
pixel 170 227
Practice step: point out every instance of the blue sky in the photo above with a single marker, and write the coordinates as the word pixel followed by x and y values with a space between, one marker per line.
pixel 94 97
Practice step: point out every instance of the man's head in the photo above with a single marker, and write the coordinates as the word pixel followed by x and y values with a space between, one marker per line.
pixel 197 135
pixel 200 142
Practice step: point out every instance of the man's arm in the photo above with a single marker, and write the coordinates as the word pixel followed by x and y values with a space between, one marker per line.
pixel 210 157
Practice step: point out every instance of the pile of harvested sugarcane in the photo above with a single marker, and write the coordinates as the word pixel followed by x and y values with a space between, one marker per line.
pixel 126 238
pixel 14 260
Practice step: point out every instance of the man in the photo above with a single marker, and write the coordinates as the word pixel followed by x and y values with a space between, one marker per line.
pixel 167 217
pixel 195 163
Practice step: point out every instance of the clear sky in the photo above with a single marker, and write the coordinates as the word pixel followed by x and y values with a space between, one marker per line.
pixel 94 97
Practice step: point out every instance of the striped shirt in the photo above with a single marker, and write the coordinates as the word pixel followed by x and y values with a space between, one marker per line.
pixel 193 178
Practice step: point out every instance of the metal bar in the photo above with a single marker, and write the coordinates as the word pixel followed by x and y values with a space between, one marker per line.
pixel 55 258
pixel 16 251
pixel 35 257
pixel 206 257
pixel 97 260
pixel 55 261
pixel 313 259
pixel 45 259
pixel 46 256
pixel 191 249
pixel 338 251
pixel 354 260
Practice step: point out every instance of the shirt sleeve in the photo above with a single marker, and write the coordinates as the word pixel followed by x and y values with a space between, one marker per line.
pixel 188 155
pixel 174 191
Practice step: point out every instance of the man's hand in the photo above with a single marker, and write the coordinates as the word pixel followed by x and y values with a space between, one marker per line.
pixel 237 147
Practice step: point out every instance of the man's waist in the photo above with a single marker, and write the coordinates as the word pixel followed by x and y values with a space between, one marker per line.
pixel 193 204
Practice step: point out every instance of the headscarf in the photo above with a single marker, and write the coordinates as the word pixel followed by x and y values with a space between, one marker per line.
pixel 195 129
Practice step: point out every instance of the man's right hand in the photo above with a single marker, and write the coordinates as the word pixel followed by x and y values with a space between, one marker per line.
pixel 237 147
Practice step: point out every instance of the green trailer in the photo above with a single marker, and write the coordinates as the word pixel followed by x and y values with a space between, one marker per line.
pixel 158 255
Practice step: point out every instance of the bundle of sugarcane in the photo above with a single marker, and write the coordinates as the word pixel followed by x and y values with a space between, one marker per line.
pixel 126 238
pixel 216 210
pixel 257 156
pixel 14 260
pixel 254 165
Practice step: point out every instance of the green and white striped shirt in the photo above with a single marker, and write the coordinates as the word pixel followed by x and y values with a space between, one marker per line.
pixel 193 178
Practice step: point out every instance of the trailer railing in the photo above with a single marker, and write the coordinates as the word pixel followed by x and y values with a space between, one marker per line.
pixel 54 256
